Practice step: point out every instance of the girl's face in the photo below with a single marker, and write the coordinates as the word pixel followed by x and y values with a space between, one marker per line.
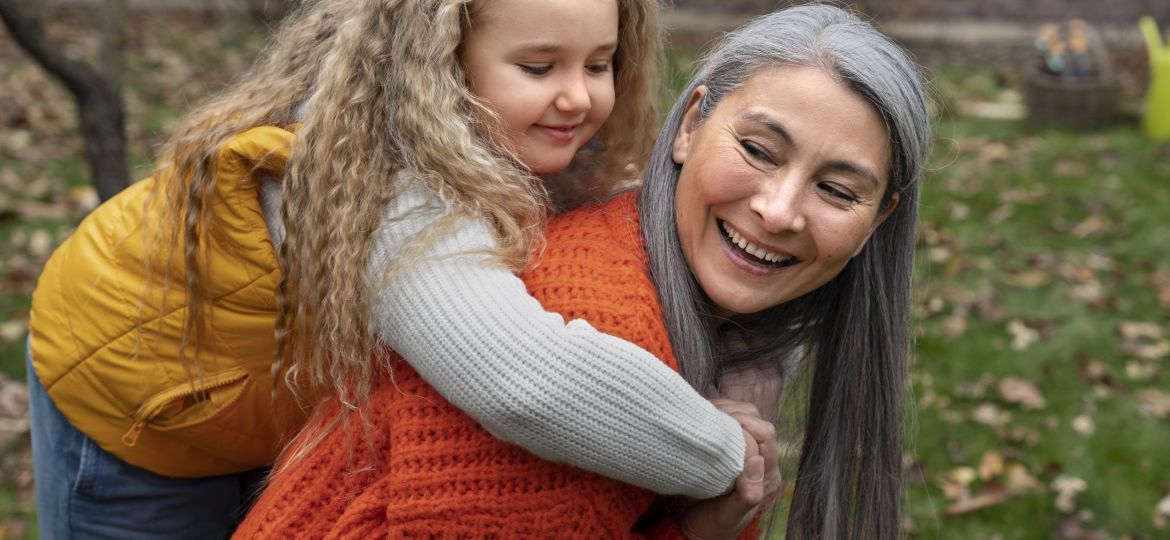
pixel 546 67
pixel 779 187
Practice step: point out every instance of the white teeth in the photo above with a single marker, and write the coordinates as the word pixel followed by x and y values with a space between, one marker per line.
pixel 753 250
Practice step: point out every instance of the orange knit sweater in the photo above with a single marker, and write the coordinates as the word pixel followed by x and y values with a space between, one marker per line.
pixel 422 468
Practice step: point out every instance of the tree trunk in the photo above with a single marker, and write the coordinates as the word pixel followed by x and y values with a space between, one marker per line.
pixel 99 101
pixel 267 10
pixel 113 41
pixel 104 132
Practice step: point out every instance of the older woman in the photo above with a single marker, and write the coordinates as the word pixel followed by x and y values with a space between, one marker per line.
pixel 777 217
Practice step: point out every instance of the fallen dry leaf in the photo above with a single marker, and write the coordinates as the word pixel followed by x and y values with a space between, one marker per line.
pixel 1091 293
pixel 1023 336
pixel 1031 194
pixel 1069 167
pixel 46 211
pixel 1140 329
pixel 1143 340
pixel 1028 279
pixel 13 528
pixel 13 411
pixel 1083 424
pixel 1140 371
pixel 1154 403
pixel 975 389
pixel 1100 262
pixel 952 489
pixel 990 465
pixel 1160 281
pixel 956 323
pixel 1092 225
pixel 1022 436
pixel 994 152
pixel 926 398
pixel 1072 528
pixel 962 475
pixel 85 198
pixel 1017 479
pixel 1162 513
pixel 990 415
pixel 1003 213
pixel 40 244
pixel 1067 487
pixel 13 330
pixel 1021 392
pixel 990 495
pixel 908 527
pixel 1146 350
pixel 1095 372
pixel 1076 273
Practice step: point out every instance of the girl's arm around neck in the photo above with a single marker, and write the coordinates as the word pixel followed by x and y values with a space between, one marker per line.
pixel 565 392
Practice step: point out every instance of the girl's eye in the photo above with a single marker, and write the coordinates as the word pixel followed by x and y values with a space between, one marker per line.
pixel 533 69
pixel 598 69
pixel 838 192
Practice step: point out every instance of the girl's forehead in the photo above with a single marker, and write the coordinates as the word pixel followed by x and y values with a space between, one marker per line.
pixel 545 26
pixel 506 11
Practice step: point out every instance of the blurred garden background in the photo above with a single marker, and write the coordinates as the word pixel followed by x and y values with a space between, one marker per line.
pixel 1041 391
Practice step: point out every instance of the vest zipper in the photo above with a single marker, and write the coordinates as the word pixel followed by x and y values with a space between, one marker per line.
pixel 158 402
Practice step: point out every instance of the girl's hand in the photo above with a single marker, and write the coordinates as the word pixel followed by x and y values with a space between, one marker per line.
pixel 727 515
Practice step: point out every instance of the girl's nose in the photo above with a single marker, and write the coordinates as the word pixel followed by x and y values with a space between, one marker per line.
pixel 573 95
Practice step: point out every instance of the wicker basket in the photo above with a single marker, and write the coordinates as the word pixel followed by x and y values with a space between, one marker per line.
pixel 1054 101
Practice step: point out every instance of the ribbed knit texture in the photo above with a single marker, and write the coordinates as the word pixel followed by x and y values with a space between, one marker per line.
pixel 564 392
pixel 422 468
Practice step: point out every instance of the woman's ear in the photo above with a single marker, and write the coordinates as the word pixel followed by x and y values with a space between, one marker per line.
pixel 682 139
pixel 883 213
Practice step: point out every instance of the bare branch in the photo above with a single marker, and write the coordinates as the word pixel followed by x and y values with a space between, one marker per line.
pixel 99 102
pixel 113 41
pixel 77 76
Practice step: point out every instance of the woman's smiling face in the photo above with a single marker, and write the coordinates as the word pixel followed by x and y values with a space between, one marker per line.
pixel 780 186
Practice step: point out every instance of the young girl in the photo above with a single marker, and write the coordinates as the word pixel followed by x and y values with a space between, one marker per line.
pixel 389 135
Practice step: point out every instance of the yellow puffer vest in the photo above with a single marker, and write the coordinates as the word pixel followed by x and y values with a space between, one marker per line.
pixel 125 388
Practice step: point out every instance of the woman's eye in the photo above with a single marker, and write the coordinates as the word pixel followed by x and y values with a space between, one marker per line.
pixel 755 151
pixel 838 192
pixel 535 69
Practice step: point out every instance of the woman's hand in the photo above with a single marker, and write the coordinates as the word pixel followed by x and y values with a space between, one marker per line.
pixel 727 515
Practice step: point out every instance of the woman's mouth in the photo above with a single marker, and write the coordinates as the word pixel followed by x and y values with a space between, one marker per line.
pixel 752 253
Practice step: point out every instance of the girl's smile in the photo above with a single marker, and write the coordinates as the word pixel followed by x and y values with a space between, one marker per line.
pixel 546 68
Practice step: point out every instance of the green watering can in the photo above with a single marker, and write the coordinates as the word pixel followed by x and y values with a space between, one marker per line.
pixel 1157 120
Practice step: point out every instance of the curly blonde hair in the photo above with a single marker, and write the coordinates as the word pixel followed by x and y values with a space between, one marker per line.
pixel 383 91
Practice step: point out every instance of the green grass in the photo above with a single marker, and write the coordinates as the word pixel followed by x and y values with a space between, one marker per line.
pixel 990 216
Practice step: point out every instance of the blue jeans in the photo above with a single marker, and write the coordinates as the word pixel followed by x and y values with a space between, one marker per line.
pixel 85 492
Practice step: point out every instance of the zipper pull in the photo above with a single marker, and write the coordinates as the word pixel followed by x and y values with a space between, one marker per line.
pixel 131 437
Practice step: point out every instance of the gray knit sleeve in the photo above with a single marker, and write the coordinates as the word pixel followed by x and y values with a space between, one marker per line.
pixel 565 392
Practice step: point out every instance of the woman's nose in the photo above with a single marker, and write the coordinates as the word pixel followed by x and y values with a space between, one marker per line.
pixel 779 203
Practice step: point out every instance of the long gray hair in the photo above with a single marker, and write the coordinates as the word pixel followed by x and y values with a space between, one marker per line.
pixel 856 328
